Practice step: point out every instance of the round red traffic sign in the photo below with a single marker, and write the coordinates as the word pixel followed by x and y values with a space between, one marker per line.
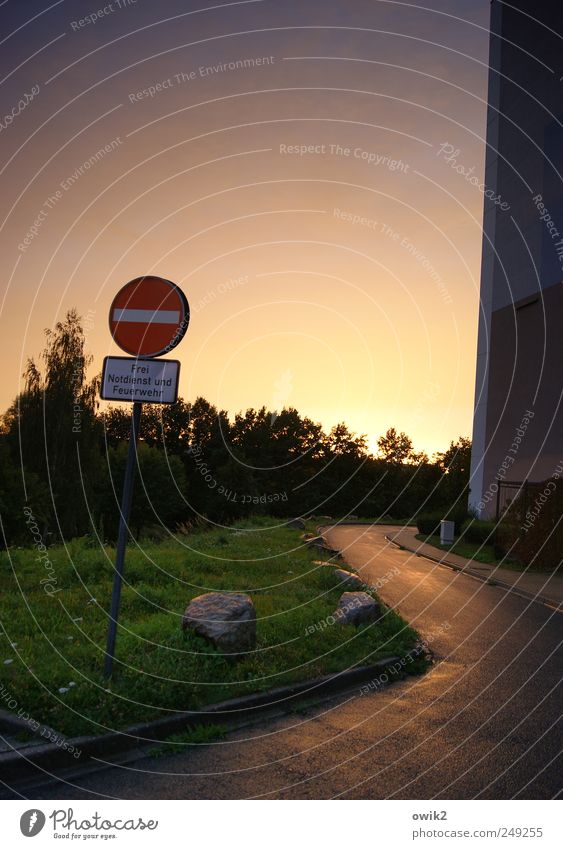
pixel 149 316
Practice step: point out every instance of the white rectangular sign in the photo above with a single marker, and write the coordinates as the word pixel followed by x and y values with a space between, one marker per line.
pixel 130 379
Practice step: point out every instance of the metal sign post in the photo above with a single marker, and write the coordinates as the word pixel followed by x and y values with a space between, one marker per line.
pixel 124 517
pixel 148 317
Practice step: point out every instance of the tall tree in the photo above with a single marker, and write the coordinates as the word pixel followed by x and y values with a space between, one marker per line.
pixel 455 465
pixel 395 447
pixel 158 497
pixel 52 426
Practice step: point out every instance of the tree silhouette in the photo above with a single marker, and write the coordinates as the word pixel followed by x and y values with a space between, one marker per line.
pixel 195 461
pixel 395 447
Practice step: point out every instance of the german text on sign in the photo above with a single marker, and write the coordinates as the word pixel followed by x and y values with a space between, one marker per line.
pixel 131 379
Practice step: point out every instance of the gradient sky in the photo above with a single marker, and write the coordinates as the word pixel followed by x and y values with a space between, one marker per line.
pixel 294 303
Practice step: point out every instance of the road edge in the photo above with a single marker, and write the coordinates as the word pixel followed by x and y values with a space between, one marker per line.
pixel 473 573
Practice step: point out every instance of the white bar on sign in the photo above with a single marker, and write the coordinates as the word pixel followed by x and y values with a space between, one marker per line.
pixel 148 316
pixel 130 379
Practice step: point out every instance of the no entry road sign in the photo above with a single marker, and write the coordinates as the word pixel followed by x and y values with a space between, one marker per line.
pixel 149 316
pixel 130 379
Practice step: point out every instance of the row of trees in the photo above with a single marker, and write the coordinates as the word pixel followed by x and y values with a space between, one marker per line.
pixel 64 459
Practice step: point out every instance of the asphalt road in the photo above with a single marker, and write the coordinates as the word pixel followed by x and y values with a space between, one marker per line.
pixel 483 723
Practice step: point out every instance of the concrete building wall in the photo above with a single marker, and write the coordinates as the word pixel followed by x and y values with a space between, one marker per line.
pixel 518 421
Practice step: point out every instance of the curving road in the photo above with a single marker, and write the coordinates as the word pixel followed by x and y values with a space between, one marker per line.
pixel 482 723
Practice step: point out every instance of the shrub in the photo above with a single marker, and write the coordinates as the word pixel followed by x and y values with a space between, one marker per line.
pixel 531 530
pixel 458 516
pixel 429 523
pixel 479 532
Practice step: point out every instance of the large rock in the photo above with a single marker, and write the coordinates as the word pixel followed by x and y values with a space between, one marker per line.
pixel 353 582
pixel 357 609
pixel 228 620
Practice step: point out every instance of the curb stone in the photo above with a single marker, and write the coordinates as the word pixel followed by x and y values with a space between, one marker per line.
pixel 473 573
pixel 19 765
pixel 11 724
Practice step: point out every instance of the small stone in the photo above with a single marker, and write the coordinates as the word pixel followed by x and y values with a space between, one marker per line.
pixel 357 608
pixel 297 524
pixel 7 662
pixel 228 620
pixel 354 582
pixel 63 689
pixel 316 542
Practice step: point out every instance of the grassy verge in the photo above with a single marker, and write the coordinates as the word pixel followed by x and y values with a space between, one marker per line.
pixel 473 551
pixel 52 642
pixel 314 522
pixel 202 735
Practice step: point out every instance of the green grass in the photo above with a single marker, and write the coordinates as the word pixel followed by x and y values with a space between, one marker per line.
pixel 314 522
pixel 201 735
pixel 60 638
pixel 473 551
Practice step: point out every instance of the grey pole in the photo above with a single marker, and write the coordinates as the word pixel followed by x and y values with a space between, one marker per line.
pixel 126 500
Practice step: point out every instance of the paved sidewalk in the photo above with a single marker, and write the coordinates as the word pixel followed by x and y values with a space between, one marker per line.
pixel 544 586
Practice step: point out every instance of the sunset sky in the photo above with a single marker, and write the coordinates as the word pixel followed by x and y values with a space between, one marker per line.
pixel 286 163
